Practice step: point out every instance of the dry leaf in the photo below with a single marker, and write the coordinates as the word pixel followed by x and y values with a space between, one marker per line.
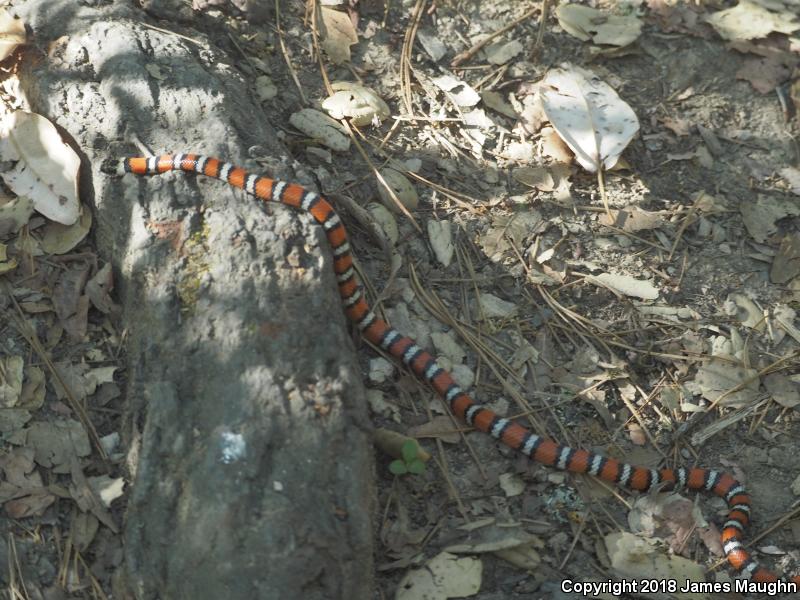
pixel 440 428
pixel 634 557
pixel 337 34
pixel 511 484
pixel 40 165
pixel 106 488
pixel 626 285
pixel 360 104
pixel 11 374
pixel 57 443
pixel 12 33
pixel 511 543
pixel 515 228
pixel 637 434
pixel 600 26
pixel 632 219
pixel 402 188
pixel 444 576
pixel 460 91
pixel 717 377
pixel 320 127
pixel 6 265
pixel 679 127
pixel 761 217
pixel 60 239
pixel 746 311
pixel 429 39
pixel 30 505
pixel 786 264
pixel 385 219
pixel 33 389
pixel 84 528
pixel 748 20
pixel 554 147
pixel 14 214
pixel 446 346
pixel 502 52
pixel 99 287
pixel 441 239
pixel 538 177
pixel 763 74
pixel 783 390
pixel 69 302
pixel 498 103
pixel 265 88
pixel 493 307
pixel 792 176
pixel 588 115
pixel 391 443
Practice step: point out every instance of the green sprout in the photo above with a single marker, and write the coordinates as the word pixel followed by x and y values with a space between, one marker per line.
pixel 411 461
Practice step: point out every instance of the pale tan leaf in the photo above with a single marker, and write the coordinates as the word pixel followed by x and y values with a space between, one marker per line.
pixel 361 104
pixel 11 372
pixel 498 103
pixel 12 33
pixel 626 285
pixel 589 116
pixel 717 377
pixel 502 52
pixel 786 265
pixel 637 558
pixel 401 186
pixel 602 27
pixel 60 239
pixel 760 217
pixel 14 214
pixel 440 428
pixel 460 91
pixel 784 391
pixel 441 238
pixel 633 219
pixel 321 128
pixel 6 265
pixel 41 165
pixel 747 20
pixel 444 576
pixel 338 34
pixel 99 287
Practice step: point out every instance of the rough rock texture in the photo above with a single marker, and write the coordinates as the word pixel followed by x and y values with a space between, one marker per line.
pixel 253 469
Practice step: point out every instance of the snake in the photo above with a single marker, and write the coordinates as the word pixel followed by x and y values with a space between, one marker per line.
pixel 404 349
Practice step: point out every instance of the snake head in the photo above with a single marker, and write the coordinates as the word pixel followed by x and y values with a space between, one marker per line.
pixel 112 166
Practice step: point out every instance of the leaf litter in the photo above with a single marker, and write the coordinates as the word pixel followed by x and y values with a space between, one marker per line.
pixel 528 234
pixel 52 286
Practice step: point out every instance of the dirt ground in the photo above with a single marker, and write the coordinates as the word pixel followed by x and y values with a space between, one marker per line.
pixel 508 265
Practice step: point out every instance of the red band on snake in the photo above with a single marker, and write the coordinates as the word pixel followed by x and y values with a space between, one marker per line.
pixel 404 349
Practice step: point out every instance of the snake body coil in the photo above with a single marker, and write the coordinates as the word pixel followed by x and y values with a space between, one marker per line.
pixel 403 348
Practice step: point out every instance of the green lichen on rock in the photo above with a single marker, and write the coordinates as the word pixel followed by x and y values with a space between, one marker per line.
pixel 195 252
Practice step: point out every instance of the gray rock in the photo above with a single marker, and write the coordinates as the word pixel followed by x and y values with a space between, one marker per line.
pixel 253 473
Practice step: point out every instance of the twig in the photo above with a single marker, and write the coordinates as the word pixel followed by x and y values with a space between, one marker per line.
pixel 315 40
pixel 768 369
pixel 285 53
pixel 467 54
pixel 379 177
pixel 405 56
pixel 601 181
pixel 183 37
pixel 30 336
pixel 684 224
pixel 537 46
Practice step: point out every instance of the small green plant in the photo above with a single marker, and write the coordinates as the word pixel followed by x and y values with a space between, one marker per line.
pixel 411 461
